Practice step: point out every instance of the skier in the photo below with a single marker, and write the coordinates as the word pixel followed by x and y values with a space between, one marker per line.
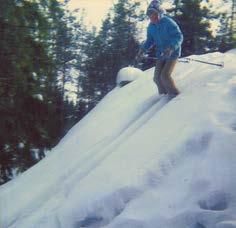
pixel 165 34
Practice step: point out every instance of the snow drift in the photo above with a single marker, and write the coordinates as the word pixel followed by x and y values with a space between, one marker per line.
pixel 140 160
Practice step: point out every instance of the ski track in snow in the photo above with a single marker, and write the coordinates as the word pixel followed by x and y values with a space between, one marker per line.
pixel 139 110
pixel 107 145
pixel 92 159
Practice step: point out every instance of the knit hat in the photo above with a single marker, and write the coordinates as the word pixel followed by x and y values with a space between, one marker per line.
pixel 155 6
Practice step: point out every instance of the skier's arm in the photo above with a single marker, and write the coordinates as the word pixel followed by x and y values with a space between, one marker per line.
pixel 175 34
pixel 149 41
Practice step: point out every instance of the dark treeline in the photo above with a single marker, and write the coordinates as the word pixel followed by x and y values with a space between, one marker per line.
pixel 41 43
pixel 38 47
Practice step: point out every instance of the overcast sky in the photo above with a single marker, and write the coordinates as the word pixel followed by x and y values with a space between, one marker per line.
pixel 96 10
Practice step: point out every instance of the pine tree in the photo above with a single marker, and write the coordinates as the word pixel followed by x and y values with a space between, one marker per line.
pixel 87 80
pixel 64 52
pixel 232 27
pixel 227 33
pixel 31 61
pixel 22 59
pixel 107 51
pixel 194 23
pixel 124 33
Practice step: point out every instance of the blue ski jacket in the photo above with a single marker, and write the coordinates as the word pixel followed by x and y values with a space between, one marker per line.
pixel 164 34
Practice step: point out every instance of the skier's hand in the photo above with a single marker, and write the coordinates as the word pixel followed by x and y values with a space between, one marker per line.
pixel 167 52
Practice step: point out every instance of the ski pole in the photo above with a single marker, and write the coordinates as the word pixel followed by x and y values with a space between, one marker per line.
pixel 200 61
pixel 187 60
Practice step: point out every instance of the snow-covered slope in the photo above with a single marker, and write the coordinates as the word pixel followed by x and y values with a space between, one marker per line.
pixel 139 160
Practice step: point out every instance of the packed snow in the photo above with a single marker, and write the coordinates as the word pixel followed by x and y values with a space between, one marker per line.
pixel 139 160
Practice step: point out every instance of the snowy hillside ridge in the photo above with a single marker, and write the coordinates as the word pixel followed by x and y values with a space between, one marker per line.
pixel 138 160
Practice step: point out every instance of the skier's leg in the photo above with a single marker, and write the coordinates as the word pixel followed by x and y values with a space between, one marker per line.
pixel 157 77
pixel 166 79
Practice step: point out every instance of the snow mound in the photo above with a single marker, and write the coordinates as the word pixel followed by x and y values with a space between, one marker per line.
pixel 128 74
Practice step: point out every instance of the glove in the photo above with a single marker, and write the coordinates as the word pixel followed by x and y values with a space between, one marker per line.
pixel 167 52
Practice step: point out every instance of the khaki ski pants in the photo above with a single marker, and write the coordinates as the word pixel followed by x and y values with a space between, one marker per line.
pixel 162 77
